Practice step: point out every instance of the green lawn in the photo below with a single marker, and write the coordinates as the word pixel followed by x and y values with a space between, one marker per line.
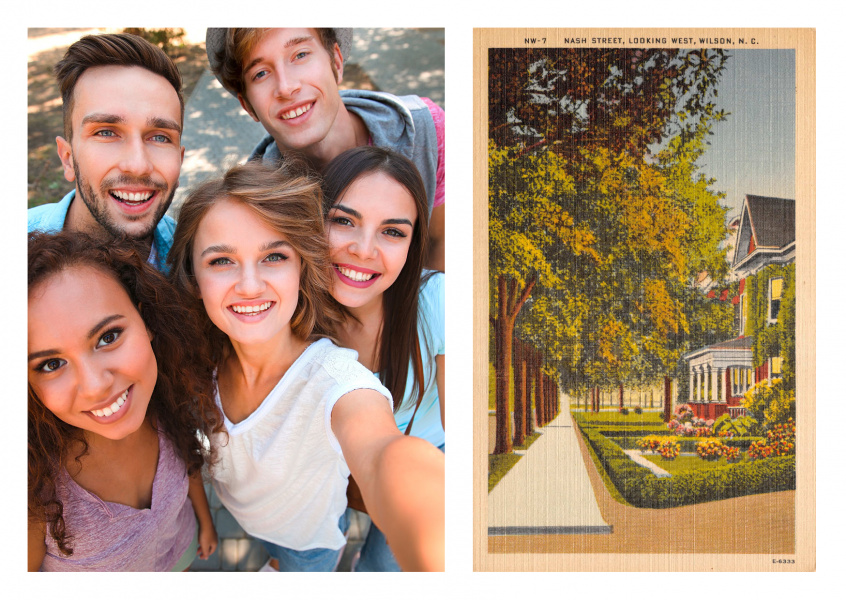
pixel 613 417
pixel 500 464
pixel 685 464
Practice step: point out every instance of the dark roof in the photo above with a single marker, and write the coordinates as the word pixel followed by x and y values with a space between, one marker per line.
pixel 773 220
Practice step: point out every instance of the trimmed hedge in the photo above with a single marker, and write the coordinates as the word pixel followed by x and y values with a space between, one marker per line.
pixel 639 486
pixel 627 440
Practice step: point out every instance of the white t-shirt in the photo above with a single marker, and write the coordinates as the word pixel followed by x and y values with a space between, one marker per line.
pixel 282 474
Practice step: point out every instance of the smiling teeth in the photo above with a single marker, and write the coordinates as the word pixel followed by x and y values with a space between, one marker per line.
pixel 130 197
pixel 355 275
pixel 110 410
pixel 251 310
pixel 296 112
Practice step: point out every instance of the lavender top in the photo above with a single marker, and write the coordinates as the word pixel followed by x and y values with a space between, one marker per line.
pixel 108 536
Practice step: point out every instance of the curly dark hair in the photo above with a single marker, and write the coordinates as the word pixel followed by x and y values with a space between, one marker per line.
pixel 182 405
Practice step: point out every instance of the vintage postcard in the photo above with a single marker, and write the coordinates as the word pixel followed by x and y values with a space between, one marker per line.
pixel 644 300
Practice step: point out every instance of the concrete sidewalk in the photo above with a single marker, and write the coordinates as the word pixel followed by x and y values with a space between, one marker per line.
pixel 548 491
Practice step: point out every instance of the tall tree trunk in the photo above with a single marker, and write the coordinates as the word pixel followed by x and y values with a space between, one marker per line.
pixel 528 360
pixel 621 395
pixel 519 394
pixel 510 304
pixel 556 395
pixel 540 414
pixel 551 396
pixel 668 400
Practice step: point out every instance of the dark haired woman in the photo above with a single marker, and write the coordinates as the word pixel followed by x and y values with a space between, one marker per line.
pixel 375 208
pixel 119 389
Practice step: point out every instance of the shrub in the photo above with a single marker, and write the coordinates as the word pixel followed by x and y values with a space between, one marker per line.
pixel 731 454
pixel 710 449
pixel 638 410
pixel 624 410
pixel 782 438
pixel 759 449
pixel 669 448
pixel 781 441
pixel 649 443
pixel 725 426
pixel 770 403
pixel 723 423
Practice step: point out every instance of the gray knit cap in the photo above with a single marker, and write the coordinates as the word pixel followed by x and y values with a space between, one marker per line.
pixel 215 37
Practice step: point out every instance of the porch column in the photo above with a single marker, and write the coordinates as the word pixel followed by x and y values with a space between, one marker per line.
pixel 692 377
pixel 698 376
pixel 715 384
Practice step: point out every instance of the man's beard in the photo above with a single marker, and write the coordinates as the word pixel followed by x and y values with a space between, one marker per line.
pixel 97 204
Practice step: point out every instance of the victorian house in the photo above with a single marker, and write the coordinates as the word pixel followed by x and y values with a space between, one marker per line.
pixel 763 263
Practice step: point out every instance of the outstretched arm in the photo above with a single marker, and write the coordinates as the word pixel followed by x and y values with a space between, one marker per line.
pixel 207 534
pixel 401 479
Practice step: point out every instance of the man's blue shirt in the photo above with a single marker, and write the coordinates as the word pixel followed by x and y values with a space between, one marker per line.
pixel 51 218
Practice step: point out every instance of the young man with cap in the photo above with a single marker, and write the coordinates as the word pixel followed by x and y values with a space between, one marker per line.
pixel 287 79
pixel 123 110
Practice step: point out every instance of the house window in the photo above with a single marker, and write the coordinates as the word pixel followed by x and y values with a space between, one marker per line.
pixel 775 367
pixel 776 287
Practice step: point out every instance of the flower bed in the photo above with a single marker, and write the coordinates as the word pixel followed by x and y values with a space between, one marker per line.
pixel 781 441
pixel 640 487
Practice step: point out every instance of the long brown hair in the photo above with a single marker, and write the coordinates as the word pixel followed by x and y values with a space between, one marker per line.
pixel 182 405
pixel 287 200
pixel 399 342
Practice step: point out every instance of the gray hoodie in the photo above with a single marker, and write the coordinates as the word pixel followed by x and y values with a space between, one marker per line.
pixel 401 123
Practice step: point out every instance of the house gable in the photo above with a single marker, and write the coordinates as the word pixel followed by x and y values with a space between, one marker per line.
pixel 767 233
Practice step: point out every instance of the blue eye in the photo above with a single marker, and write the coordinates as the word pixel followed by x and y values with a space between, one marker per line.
pixel 220 261
pixel 105 133
pixel 50 365
pixel 276 257
pixel 259 74
pixel 160 138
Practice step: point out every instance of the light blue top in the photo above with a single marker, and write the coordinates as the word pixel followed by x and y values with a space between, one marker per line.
pixel 50 218
pixel 431 330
